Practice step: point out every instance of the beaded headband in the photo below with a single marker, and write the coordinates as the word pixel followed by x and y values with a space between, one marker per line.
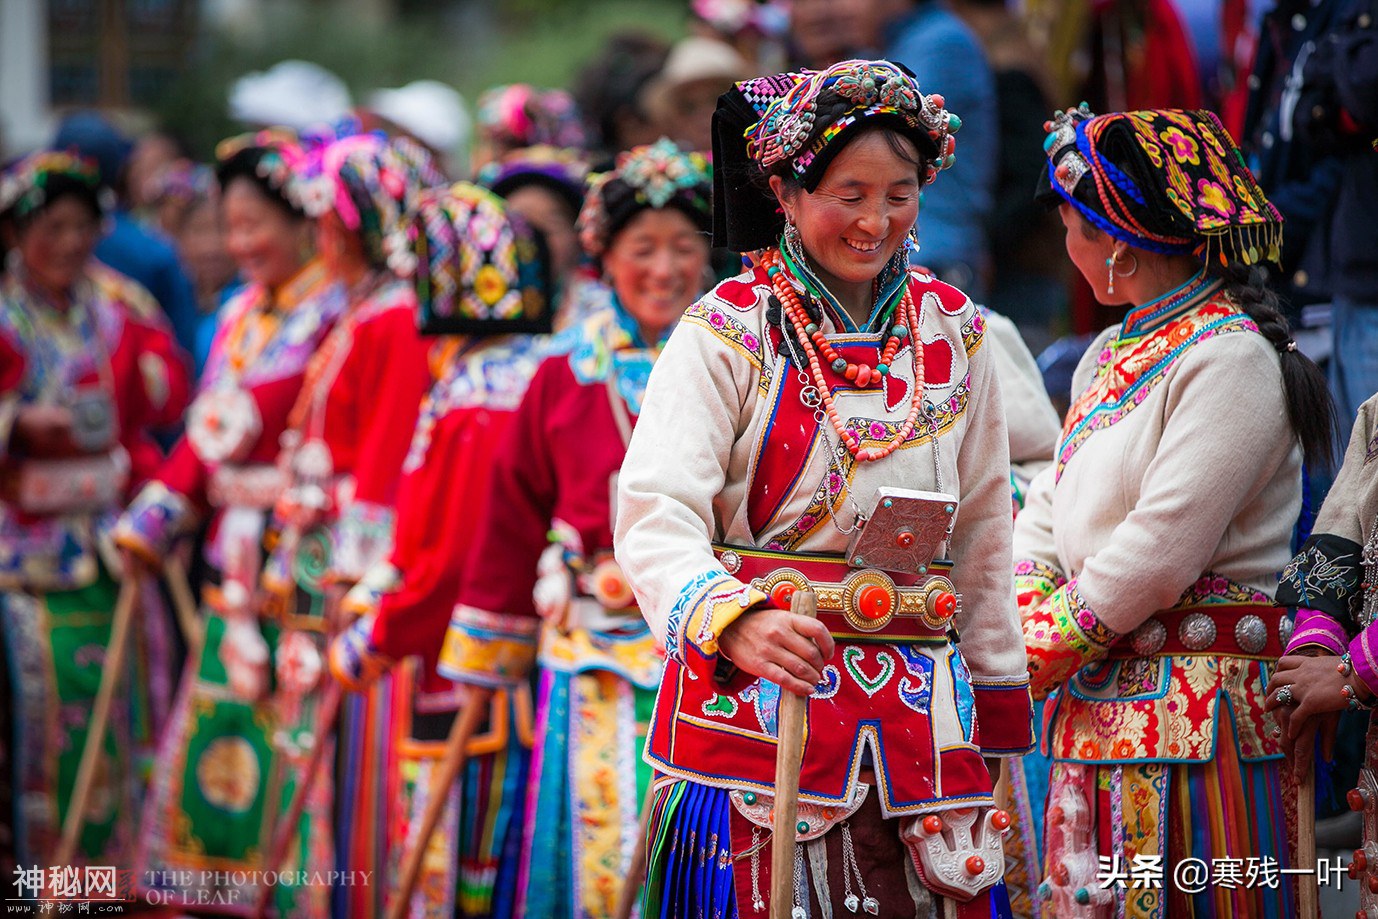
pixel 478 268
pixel 659 175
pixel 1167 181
pixel 788 125
pixel 24 186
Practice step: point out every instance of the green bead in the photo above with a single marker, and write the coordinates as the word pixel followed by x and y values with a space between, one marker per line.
pixel 900 331
pixel 811 328
pixel 749 797
pixel 802 826
pixel 882 369
pixel 1083 896
pixel 772 271
pixel 954 124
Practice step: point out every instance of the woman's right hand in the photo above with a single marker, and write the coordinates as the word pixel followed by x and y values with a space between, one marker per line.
pixel 779 646
pixel 44 430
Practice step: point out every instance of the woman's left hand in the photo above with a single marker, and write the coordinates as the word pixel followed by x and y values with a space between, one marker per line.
pixel 1311 703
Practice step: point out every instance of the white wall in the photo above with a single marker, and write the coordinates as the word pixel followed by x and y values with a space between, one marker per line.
pixel 26 121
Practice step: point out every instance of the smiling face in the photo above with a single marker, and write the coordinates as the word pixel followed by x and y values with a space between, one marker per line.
pixel 657 264
pixel 857 218
pixel 57 242
pixel 268 244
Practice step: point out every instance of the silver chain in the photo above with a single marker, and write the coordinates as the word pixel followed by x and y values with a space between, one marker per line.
pixel 799 911
pixel 849 867
pixel 757 903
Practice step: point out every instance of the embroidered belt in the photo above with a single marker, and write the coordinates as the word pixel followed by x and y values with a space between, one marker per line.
pixel 856 604
pixel 1238 630
pixel 255 486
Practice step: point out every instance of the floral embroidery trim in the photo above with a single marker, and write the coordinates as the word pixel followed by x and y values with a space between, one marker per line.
pixel 1099 407
pixel 1062 635
pixel 710 602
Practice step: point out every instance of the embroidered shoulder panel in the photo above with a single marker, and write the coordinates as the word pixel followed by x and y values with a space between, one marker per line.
pixel 495 377
pixel 1128 370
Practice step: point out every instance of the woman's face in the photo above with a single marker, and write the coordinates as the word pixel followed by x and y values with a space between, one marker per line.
pixel 857 218
pixel 201 243
pixel 267 243
pixel 57 243
pixel 545 211
pixel 1088 249
pixel 657 264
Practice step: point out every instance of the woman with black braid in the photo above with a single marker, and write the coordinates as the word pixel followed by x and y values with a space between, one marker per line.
pixel 1146 557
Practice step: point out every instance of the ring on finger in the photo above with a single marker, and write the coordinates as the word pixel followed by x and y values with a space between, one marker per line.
pixel 1285 697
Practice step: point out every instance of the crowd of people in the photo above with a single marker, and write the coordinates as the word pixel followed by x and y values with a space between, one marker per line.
pixel 385 538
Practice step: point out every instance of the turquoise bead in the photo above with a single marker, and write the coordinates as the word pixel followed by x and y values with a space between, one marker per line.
pixel 1083 896
pixel 882 369
pixel 1048 142
pixel 749 797
pixel 900 331
pixel 802 826
pixel 839 366
pixel 810 329
pixel 954 124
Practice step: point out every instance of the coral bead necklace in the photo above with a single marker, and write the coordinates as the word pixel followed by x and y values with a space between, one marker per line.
pixel 812 340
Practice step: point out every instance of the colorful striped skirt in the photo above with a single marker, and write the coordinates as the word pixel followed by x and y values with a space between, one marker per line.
pixel 1187 841
pixel 707 861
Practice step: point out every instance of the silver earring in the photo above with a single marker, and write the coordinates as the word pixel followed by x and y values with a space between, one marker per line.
pixel 1110 270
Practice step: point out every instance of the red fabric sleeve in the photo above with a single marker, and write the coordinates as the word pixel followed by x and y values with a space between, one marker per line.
pixel 439 505
pixel 501 571
pixel 388 362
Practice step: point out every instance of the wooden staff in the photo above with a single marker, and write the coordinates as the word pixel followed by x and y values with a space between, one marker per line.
pixel 789 757
pixel 111 672
pixel 286 832
pixel 1308 894
pixel 184 605
pixel 456 752
pixel 636 872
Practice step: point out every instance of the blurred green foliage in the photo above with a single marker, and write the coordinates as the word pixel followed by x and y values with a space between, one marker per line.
pixel 469 44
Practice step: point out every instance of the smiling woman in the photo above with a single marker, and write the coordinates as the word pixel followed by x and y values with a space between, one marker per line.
pixel 784 403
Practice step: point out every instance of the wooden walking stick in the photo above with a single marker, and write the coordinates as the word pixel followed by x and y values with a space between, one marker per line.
pixel 111 672
pixel 789 757
pixel 636 872
pixel 327 716
pixel 1308 894
pixel 184 605
pixel 456 752
pixel 286 832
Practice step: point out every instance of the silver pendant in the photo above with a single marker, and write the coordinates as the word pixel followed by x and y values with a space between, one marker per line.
pixel 851 902
pixel 798 913
pixel 871 905
pixel 758 905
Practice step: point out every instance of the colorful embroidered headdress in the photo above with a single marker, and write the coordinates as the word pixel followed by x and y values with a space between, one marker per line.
pixel 657 175
pixel 520 115
pixel 1166 181
pixel 28 184
pixel 478 268
pixel 804 120
pixel 273 158
pixel 370 182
